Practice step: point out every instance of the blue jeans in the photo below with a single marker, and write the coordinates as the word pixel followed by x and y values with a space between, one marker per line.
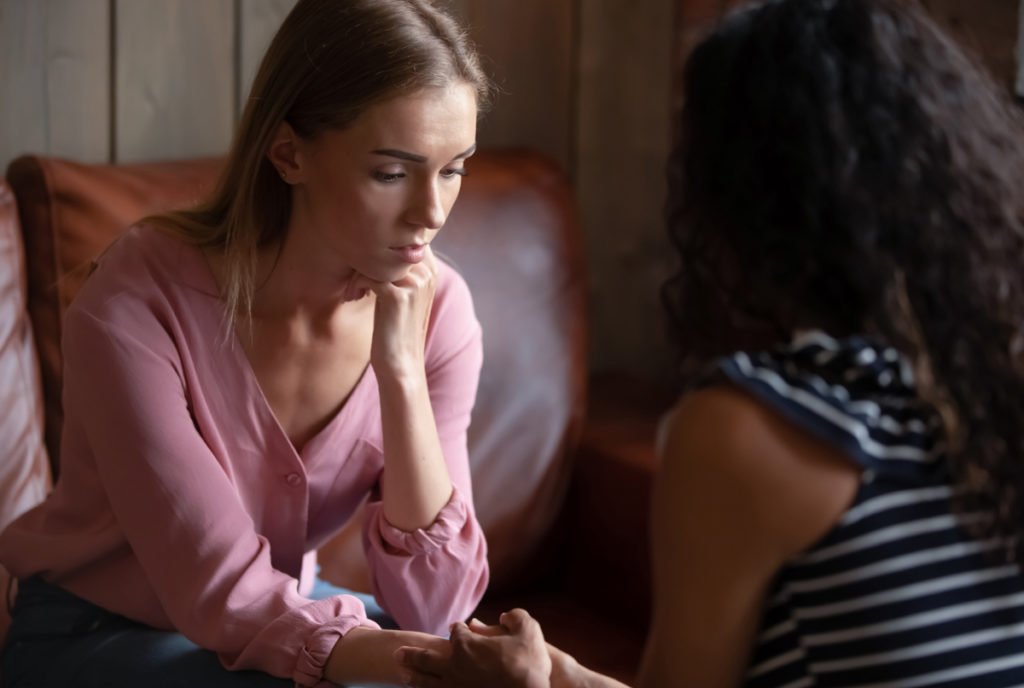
pixel 59 640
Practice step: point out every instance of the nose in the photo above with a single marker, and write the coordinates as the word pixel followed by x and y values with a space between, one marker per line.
pixel 429 208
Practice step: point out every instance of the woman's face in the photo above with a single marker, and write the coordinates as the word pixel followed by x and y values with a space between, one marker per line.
pixel 372 196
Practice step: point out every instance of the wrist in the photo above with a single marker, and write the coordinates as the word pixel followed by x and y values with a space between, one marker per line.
pixel 366 655
pixel 565 670
pixel 406 379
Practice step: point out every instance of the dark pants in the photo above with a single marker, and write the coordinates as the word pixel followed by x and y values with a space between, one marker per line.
pixel 59 640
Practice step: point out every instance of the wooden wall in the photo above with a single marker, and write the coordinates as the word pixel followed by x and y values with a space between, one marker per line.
pixel 589 82
pixel 127 80
pixel 585 81
pixel 993 29
pixel 1020 50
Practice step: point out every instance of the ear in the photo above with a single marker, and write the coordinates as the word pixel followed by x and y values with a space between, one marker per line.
pixel 283 154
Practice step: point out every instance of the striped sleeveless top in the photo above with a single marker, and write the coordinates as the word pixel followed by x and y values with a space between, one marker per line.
pixel 898 593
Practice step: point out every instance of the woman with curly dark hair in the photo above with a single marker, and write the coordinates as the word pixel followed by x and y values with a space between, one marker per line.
pixel 840 496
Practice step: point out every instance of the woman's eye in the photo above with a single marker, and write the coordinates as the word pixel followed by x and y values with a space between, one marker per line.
pixel 453 172
pixel 387 177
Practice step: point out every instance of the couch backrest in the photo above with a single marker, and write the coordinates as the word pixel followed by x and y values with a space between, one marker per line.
pixel 513 234
pixel 24 469
pixel 24 466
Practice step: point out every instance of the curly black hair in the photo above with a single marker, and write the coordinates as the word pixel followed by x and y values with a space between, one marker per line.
pixel 845 165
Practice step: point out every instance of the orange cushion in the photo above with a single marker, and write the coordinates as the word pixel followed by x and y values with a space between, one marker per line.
pixel 24 468
pixel 69 213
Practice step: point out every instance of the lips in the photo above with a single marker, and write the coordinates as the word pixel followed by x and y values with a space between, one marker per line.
pixel 411 253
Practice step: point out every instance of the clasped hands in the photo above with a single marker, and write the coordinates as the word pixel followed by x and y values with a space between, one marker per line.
pixel 512 654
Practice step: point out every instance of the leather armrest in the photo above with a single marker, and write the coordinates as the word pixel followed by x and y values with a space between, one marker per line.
pixel 608 506
pixel 593 597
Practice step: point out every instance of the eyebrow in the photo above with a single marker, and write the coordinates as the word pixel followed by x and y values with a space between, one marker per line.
pixel 413 157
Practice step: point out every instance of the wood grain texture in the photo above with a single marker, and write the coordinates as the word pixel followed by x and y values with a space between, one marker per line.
pixel 1020 50
pixel 988 28
pixel 54 79
pixel 623 139
pixel 527 47
pixel 175 78
pixel 258 22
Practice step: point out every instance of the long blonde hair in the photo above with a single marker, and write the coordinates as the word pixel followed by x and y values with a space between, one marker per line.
pixel 329 61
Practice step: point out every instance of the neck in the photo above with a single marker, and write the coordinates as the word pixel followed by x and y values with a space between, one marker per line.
pixel 296 277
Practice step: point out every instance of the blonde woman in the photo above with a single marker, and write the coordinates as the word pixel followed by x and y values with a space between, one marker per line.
pixel 241 376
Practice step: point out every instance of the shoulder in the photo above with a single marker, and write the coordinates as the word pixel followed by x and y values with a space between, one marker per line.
pixel 139 245
pixel 140 286
pixel 766 472
pixel 140 266
pixel 452 294
pixel 856 393
pixel 453 322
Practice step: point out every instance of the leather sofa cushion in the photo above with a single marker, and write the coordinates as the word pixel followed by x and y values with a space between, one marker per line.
pixel 513 235
pixel 24 466
pixel 69 213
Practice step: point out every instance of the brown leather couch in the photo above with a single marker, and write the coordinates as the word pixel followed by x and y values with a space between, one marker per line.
pixel 561 491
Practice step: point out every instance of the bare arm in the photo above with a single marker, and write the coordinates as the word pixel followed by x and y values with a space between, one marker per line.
pixel 566 672
pixel 512 654
pixel 367 655
pixel 425 549
pixel 415 484
pixel 738 492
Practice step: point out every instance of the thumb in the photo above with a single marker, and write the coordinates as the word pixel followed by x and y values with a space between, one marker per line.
pixel 480 628
pixel 516 620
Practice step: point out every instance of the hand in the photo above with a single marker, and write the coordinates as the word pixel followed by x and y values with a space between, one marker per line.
pixel 512 655
pixel 401 316
pixel 368 655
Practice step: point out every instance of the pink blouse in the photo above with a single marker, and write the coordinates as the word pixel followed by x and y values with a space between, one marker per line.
pixel 182 503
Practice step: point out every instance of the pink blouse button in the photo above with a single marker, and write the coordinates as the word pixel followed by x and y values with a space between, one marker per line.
pixel 293 479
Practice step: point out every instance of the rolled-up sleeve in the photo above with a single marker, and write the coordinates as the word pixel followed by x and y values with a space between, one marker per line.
pixel 428 578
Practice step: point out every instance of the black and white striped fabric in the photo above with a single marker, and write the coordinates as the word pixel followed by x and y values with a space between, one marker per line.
pixel 898 593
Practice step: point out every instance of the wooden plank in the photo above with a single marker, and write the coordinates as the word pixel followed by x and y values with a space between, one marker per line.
pixel 987 28
pixel 258 22
pixel 22 78
pixel 623 139
pixel 1020 50
pixel 527 48
pixel 54 77
pixel 175 78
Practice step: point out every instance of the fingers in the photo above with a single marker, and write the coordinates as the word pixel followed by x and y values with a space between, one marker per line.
pixel 356 287
pixel 514 619
pixel 519 622
pixel 420 660
pixel 480 628
pixel 459 632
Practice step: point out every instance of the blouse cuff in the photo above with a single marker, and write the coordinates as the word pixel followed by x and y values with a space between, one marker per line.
pixel 309 670
pixel 446 526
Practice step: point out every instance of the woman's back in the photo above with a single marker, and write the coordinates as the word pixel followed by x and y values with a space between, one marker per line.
pixel 898 591
pixel 821 516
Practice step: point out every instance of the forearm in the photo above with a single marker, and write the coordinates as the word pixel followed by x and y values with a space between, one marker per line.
pixel 366 655
pixel 415 483
pixel 566 672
